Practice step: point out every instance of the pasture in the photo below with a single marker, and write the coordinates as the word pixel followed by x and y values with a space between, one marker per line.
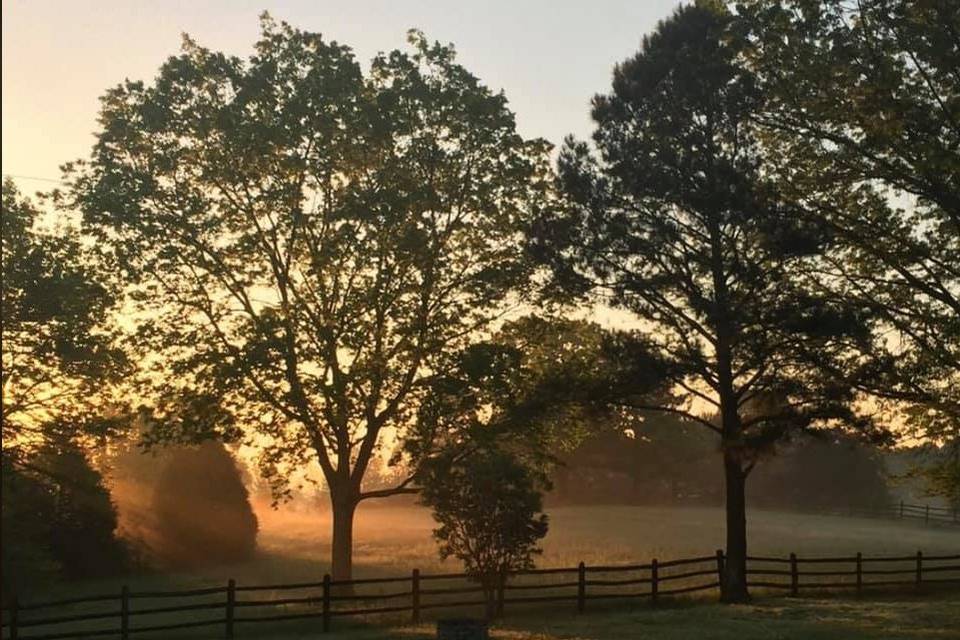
pixel 294 542
pixel 932 617
pixel 391 541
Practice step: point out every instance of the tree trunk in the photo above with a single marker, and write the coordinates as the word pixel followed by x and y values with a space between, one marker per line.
pixel 734 586
pixel 342 548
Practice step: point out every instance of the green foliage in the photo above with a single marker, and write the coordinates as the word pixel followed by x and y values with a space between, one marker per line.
pixel 667 460
pixel 677 222
pixel 864 111
pixel 826 470
pixel 202 508
pixel 309 245
pixel 541 384
pixel 488 507
pixel 58 349
pixel 59 360
pixel 938 470
pixel 58 519
pixel 674 216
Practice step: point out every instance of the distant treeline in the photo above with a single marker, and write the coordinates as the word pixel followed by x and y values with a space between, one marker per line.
pixel 668 461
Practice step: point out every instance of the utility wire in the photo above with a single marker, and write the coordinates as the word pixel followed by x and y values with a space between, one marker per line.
pixel 19 177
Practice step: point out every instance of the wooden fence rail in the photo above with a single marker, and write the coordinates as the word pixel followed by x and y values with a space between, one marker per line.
pixel 900 511
pixel 330 599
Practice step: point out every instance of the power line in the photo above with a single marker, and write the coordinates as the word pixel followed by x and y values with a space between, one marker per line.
pixel 19 177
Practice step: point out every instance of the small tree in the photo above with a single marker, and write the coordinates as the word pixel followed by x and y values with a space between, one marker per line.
pixel 203 509
pixel 489 511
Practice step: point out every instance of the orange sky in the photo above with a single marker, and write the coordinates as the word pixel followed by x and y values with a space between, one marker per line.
pixel 550 56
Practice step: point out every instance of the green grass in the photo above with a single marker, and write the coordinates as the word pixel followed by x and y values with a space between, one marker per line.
pixel 391 541
pixel 933 616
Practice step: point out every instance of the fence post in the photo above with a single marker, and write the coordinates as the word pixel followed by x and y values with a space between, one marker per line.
pixel 415 588
pixel 794 576
pixel 125 613
pixel 919 568
pixel 501 589
pixel 926 515
pixel 326 602
pixel 581 587
pixel 720 568
pixel 859 572
pixel 654 580
pixel 231 602
pixel 14 606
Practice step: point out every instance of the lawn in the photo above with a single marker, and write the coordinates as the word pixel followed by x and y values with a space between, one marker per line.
pixel 390 541
pixel 933 616
pixel 294 547
pixel 295 543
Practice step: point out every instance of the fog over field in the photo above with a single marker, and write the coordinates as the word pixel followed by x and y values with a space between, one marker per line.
pixel 392 540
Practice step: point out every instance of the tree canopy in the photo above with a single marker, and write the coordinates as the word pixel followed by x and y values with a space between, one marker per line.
pixel 58 340
pixel 864 112
pixel 312 245
pixel 674 217
pixel 489 511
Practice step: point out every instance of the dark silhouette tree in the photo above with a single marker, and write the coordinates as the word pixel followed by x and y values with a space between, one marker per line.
pixel 643 458
pixel 539 385
pixel 823 470
pixel 489 510
pixel 312 246
pixel 58 518
pixel 864 112
pixel 59 353
pixel 675 221
pixel 59 360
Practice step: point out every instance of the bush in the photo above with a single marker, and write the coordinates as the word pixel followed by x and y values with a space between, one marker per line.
pixel 489 510
pixel 58 519
pixel 202 508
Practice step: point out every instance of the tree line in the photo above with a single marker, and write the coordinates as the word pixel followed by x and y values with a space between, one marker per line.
pixel 326 260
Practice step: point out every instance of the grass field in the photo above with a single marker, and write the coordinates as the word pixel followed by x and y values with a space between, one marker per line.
pixel 294 547
pixel 295 543
pixel 391 541
pixel 932 617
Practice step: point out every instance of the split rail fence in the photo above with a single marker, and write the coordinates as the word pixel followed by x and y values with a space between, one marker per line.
pixel 902 511
pixel 235 606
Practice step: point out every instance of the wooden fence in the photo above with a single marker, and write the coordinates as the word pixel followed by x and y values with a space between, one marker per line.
pixel 902 511
pixel 241 605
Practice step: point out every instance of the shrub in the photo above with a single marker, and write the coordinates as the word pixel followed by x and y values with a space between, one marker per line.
pixel 202 508
pixel 489 510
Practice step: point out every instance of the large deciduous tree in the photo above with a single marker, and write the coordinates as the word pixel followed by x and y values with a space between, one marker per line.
pixel 864 110
pixel 674 220
pixel 540 385
pixel 312 245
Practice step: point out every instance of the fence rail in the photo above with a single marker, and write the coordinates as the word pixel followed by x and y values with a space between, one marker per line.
pixel 330 599
pixel 925 513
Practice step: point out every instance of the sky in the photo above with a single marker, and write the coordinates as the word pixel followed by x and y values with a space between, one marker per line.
pixel 550 57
